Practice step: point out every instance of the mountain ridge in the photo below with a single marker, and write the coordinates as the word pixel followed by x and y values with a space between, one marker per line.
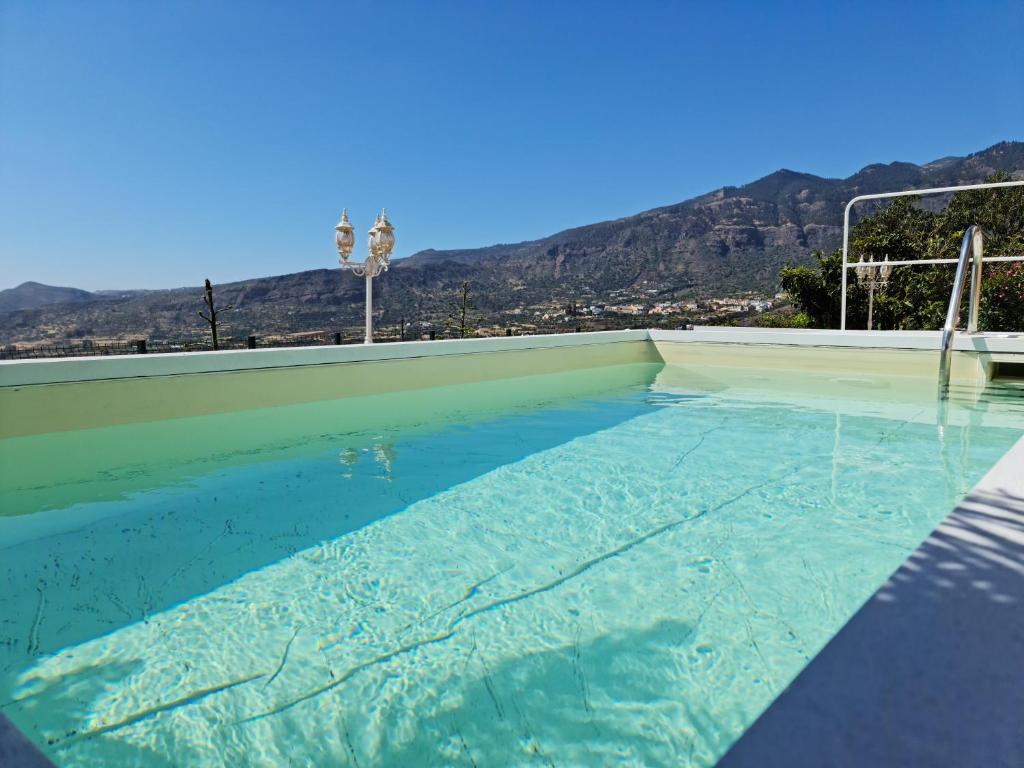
pixel 781 189
pixel 31 294
pixel 730 240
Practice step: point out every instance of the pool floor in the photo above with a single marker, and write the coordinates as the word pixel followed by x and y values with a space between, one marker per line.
pixel 627 577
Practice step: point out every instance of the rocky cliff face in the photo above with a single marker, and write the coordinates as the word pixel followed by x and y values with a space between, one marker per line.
pixel 732 239
pixel 735 237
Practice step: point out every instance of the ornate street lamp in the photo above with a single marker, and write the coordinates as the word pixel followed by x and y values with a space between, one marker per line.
pixel 380 244
pixel 873 278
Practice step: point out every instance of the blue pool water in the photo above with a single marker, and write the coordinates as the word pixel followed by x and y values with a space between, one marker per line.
pixel 613 567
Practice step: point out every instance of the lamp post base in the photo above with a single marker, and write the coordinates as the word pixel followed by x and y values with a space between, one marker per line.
pixel 369 309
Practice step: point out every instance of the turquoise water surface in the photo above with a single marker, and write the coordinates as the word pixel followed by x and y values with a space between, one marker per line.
pixel 620 566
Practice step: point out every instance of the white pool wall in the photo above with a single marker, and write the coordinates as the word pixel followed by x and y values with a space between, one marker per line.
pixel 38 396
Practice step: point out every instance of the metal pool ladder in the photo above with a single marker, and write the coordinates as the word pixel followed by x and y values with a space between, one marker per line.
pixel 970 249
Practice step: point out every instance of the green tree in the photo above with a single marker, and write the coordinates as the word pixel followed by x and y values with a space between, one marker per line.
pixel 816 290
pixel 916 298
pixel 781 320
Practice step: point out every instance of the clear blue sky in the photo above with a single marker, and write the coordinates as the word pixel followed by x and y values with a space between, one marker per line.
pixel 152 144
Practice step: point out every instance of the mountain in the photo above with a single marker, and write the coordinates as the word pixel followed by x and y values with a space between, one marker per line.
pixel 734 238
pixel 31 295
pixel 731 240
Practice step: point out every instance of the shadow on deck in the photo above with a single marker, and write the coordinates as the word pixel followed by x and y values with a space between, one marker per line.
pixel 929 671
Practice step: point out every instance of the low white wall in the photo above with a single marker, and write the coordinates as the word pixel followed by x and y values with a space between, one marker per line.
pixel 1012 343
pixel 15 373
pixel 81 393
pixel 53 371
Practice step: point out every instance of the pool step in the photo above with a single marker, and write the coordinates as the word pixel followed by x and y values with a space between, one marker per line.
pixel 1000 396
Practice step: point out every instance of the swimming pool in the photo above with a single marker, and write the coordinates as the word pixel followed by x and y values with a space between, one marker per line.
pixel 622 565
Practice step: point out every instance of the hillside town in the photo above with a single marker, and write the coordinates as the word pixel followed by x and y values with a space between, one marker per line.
pixel 628 308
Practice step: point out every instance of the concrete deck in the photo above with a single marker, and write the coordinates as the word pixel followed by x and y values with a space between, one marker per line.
pixel 16 751
pixel 930 672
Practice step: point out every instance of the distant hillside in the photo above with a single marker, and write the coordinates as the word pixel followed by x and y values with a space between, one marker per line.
pixel 727 241
pixel 31 295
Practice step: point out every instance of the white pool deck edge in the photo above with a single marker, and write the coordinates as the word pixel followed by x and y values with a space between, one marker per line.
pixel 52 371
pixel 930 671
pixel 16 373
pixel 1011 343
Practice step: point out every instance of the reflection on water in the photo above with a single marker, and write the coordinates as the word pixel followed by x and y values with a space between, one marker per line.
pixel 627 577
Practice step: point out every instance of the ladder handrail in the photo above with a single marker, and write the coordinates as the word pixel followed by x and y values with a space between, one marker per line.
pixel 971 249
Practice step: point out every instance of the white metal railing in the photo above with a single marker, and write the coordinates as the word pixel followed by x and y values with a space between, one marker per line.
pixel 847 265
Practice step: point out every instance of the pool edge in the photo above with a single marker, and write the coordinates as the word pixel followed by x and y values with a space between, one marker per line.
pixel 16 750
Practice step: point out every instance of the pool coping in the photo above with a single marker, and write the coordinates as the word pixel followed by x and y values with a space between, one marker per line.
pixel 1012 343
pixel 18 373
pixel 929 670
pixel 74 369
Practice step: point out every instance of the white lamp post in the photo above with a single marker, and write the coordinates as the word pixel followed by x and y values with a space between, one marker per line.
pixel 873 279
pixel 381 242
